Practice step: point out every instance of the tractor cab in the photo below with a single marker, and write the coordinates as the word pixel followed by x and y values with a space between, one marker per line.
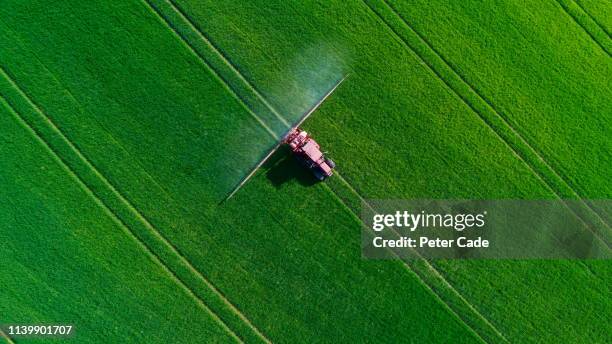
pixel 308 152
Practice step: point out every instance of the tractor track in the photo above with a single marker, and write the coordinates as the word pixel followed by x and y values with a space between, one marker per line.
pixel 435 271
pixel 595 20
pixel 224 82
pixel 114 216
pixel 590 26
pixel 488 113
pixel 434 289
pixel 82 109
pixel 6 337
pixel 192 25
pixel 148 231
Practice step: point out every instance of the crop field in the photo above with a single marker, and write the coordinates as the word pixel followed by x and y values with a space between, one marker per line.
pixel 125 123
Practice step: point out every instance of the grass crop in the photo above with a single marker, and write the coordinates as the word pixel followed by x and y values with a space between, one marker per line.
pixel 600 11
pixel 135 94
pixel 542 79
pixel 591 27
pixel 389 145
pixel 110 117
pixel 82 270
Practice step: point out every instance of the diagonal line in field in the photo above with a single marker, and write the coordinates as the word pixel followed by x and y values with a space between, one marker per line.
pixel 192 25
pixel 596 21
pixel 141 217
pixel 565 5
pixel 431 269
pixel 200 58
pixel 83 111
pixel 408 268
pixel 154 257
pixel 132 209
pixel 496 115
pixel 5 336
pixel 134 158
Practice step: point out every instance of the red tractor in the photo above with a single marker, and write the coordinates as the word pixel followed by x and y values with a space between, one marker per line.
pixel 304 148
pixel 308 152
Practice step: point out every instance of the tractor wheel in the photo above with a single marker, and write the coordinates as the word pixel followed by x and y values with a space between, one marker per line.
pixel 318 174
pixel 330 163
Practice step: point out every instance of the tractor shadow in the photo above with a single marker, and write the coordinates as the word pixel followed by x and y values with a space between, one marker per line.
pixel 283 167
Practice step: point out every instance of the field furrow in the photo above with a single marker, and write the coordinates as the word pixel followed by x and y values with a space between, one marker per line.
pixel 484 108
pixel 595 31
pixel 130 218
pixel 74 239
pixel 570 72
pixel 6 339
pixel 113 214
pixel 448 295
pixel 600 11
pixel 184 28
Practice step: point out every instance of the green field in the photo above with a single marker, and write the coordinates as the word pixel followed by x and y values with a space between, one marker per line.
pixel 125 123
